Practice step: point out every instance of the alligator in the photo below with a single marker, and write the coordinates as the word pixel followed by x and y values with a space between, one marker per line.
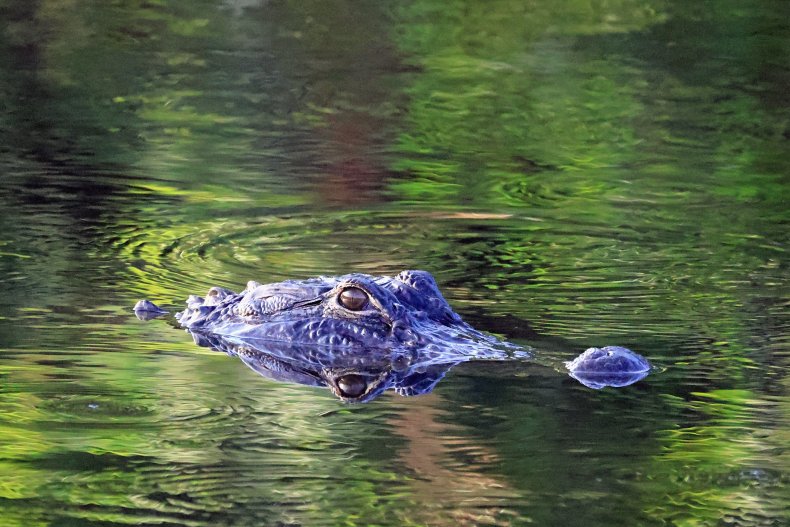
pixel 360 335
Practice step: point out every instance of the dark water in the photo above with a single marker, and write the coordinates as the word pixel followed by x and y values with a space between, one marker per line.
pixel 573 173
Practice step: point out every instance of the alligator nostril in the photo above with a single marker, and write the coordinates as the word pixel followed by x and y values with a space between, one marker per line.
pixel 351 385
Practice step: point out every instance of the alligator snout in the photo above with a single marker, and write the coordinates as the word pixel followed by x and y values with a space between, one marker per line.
pixel 608 366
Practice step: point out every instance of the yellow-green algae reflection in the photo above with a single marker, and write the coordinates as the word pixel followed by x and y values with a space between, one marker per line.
pixel 574 173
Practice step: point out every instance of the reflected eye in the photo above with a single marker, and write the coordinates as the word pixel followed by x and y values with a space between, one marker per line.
pixel 353 298
pixel 352 385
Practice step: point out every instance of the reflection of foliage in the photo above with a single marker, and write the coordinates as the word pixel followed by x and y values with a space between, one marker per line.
pixel 602 156
pixel 632 190
pixel 131 441
pixel 716 461
pixel 594 167
pixel 489 101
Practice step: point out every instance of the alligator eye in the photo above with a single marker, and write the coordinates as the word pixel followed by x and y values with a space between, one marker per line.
pixel 353 298
pixel 351 385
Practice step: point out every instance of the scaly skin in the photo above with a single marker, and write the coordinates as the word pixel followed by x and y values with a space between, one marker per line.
pixel 407 310
pixel 362 334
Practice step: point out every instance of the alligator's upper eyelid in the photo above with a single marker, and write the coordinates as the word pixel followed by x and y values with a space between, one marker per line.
pixel 350 283
pixel 353 283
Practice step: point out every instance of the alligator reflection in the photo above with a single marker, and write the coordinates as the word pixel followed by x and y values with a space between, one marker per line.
pixel 353 376
pixel 360 375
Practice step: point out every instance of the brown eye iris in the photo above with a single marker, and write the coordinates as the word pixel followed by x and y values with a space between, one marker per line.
pixel 353 299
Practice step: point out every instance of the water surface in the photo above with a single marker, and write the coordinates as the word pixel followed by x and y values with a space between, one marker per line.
pixel 572 173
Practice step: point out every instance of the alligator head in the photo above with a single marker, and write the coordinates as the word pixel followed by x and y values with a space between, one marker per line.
pixel 360 335
pixel 351 311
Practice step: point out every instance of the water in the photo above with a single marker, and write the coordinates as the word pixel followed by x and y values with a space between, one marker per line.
pixel 573 173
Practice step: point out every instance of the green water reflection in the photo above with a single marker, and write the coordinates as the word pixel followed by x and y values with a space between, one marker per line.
pixel 574 173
